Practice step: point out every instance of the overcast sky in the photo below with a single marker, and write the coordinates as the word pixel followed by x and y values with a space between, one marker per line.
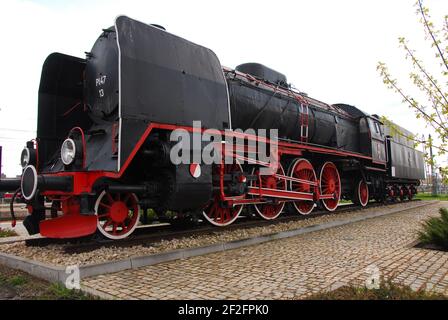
pixel 328 49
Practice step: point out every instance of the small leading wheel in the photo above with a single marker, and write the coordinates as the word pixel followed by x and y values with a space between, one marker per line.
pixel 117 214
pixel 270 211
pixel 303 169
pixel 330 183
pixel 215 212
pixel 361 196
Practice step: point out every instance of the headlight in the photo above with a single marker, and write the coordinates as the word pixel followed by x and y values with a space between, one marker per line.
pixel 25 157
pixel 68 152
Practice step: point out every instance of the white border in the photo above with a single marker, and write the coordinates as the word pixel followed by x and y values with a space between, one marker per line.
pixel 33 193
pixel 283 203
pixel 119 96
pixel 100 228
pixel 320 186
pixel 236 216
pixel 228 93
pixel 359 193
pixel 296 162
pixel 29 157
pixel 62 148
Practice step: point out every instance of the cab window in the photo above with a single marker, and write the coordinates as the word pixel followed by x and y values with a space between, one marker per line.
pixel 375 127
pixel 372 126
pixel 378 128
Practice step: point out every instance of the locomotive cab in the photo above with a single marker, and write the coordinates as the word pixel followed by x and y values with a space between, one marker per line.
pixel 372 138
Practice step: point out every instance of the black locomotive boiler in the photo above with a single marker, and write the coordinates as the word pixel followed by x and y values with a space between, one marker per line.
pixel 102 151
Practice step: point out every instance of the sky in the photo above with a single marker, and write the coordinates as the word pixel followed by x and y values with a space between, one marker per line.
pixel 328 49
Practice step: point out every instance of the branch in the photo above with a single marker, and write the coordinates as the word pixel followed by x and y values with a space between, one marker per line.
pixel 446 27
pixel 431 33
pixel 392 83
pixel 434 98
pixel 417 62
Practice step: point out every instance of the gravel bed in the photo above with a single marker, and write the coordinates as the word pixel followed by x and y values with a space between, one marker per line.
pixel 54 254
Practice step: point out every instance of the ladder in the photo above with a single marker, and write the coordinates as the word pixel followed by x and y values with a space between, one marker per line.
pixel 304 117
pixel 304 120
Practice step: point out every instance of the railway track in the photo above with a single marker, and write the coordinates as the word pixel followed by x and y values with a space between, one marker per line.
pixel 152 234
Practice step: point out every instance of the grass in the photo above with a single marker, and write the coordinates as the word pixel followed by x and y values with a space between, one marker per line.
pixel 435 230
pixel 57 291
pixel 152 215
pixel 387 291
pixel 17 280
pixel 4 233
pixel 13 281
pixel 15 284
pixel 429 196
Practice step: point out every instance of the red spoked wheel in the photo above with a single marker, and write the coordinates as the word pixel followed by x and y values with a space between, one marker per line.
pixel 412 192
pixel 270 211
pixel 215 212
pixel 303 169
pixel 401 194
pixel 397 193
pixel 404 193
pixel 390 192
pixel 362 193
pixel 117 214
pixel 330 183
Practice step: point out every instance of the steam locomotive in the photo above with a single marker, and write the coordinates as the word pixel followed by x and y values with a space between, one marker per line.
pixel 102 155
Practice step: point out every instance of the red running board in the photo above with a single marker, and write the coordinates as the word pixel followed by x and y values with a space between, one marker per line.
pixel 69 226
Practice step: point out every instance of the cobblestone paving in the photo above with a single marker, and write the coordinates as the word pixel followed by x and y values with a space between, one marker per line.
pixel 294 267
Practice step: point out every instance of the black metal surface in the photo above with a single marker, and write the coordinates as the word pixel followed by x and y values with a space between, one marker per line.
pixel 101 77
pixel 352 110
pixel 258 108
pixel 9 185
pixel 57 183
pixel 405 162
pixel 262 72
pixel 11 207
pixel 189 193
pixel 399 134
pixel 28 183
pixel 44 182
pixel 167 79
pixel 128 188
pixel 31 222
pixel 60 104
